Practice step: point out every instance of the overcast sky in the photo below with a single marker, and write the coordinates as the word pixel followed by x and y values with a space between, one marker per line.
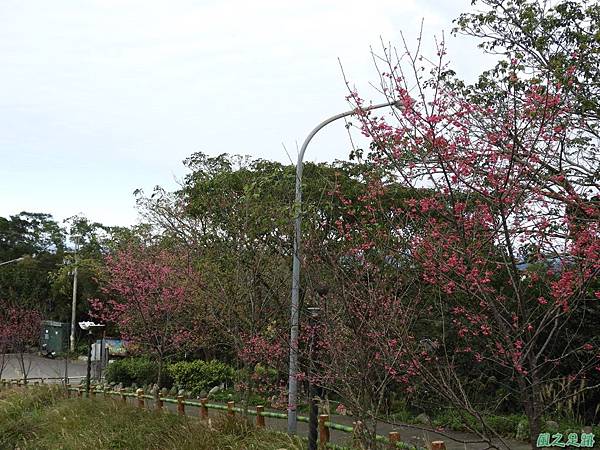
pixel 100 97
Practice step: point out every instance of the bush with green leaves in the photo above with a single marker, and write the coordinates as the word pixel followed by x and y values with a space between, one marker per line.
pixel 227 395
pixel 198 376
pixel 140 371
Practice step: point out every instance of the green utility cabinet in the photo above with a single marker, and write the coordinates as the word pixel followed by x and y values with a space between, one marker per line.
pixel 55 335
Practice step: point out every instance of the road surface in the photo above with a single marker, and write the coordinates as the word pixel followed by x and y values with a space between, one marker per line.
pixel 39 367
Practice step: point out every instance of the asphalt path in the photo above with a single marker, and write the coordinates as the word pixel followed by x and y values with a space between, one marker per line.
pixel 39 367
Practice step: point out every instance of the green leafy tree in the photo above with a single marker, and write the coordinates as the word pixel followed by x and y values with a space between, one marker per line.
pixel 40 238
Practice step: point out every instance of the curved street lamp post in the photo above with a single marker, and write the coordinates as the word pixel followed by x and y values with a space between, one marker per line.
pixel 294 317
pixel 90 327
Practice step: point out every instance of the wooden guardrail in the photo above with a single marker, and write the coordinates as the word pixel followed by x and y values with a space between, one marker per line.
pixel 325 425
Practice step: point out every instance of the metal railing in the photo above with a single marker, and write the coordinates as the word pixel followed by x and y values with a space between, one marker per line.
pixel 42 380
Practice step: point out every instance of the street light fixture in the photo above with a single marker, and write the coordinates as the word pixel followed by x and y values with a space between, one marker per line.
pixel 90 327
pixel 295 302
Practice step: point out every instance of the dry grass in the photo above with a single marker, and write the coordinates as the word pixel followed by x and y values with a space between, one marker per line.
pixel 42 418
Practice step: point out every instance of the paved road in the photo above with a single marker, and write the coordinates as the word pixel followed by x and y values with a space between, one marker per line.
pixel 408 434
pixel 39 367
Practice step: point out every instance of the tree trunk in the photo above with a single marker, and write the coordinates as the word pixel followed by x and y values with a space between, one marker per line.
pixel 535 428
pixel 531 411
pixel 160 367
pixel 535 422
pixel 3 362
pixel 22 364
pixel 249 389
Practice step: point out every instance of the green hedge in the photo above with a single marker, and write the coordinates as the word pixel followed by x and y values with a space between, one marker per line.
pixel 140 371
pixel 198 376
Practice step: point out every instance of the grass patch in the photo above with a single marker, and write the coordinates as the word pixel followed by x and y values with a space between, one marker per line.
pixel 42 418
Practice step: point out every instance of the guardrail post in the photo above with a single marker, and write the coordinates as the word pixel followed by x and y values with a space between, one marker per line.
pixel 180 405
pixel 438 445
pixel 123 397
pixel 203 408
pixel 394 438
pixel 158 403
pixel 358 432
pixel 358 429
pixel 323 431
pixel 92 391
pixel 230 411
pixel 140 398
pixel 260 419
pixel 79 392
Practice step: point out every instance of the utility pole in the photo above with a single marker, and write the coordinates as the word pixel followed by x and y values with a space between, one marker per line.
pixel 67 372
pixel 74 301
pixel 73 311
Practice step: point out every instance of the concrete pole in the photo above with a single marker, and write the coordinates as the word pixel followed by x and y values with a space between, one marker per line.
pixel 73 312
pixel 295 301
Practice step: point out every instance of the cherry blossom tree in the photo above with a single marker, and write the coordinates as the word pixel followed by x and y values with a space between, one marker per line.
pixel 4 343
pixel 263 357
pixel 3 349
pixel 150 296
pixel 21 332
pixel 357 345
pixel 509 245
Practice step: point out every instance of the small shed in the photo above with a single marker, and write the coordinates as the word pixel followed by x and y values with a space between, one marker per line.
pixel 55 335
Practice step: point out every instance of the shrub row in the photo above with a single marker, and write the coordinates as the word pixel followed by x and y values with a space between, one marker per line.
pixel 139 371
pixel 198 376
pixel 194 376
